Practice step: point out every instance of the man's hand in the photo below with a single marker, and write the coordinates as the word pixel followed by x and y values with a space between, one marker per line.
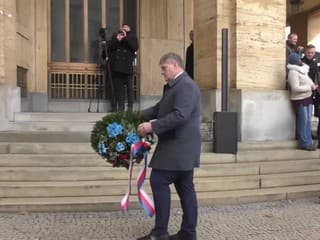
pixel 314 87
pixel 144 128
pixel 121 35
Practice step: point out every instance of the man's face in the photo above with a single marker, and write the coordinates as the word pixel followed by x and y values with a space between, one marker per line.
pixel 168 70
pixel 310 53
pixel 191 36
pixel 293 39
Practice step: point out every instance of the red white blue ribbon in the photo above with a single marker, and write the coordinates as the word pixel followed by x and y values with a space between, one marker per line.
pixel 145 201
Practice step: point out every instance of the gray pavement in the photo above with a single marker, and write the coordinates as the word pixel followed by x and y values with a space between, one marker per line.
pixel 283 220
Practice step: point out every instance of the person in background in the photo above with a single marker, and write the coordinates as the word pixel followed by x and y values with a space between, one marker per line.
pixel 122 48
pixel 292 47
pixel 301 87
pixel 311 60
pixel 176 121
pixel 189 56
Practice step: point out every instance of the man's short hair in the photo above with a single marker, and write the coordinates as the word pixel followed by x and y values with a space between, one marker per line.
pixel 171 58
pixel 310 46
pixel 291 34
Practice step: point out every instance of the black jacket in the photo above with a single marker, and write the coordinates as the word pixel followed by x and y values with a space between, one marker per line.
pixel 189 60
pixel 313 67
pixel 122 53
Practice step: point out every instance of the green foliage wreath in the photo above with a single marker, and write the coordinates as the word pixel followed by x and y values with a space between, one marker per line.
pixel 113 136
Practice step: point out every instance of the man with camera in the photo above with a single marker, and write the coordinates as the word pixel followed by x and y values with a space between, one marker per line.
pixel 122 50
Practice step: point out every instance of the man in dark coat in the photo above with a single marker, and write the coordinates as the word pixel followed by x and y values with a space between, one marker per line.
pixel 189 56
pixel 176 121
pixel 122 50
pixel 311 60
pixel 292 47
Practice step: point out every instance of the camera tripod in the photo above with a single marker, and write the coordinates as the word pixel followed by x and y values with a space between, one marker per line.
pixel 104 66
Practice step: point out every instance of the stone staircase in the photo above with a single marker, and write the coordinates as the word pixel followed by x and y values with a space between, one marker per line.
pixel 47 164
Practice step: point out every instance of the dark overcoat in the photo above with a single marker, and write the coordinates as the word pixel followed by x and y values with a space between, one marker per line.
pixel 189 60
pixel 122 53
pixel 177 125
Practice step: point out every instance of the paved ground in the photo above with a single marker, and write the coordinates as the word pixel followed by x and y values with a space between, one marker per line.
pixel 285 220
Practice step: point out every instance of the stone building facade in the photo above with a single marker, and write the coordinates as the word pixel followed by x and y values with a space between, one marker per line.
pixel 48 64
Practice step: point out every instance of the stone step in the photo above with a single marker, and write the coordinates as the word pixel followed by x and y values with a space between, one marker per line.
pixel 92 167
pixel 57 117
pixel 45 148
pixel 112 203
pixel 93 159
pixel 266 145
pixel 259 195
pixel 276 154
pixel 304 165
pixel 290 179
pixel 60 148
pixel 113 187
pixel 85 148
pixel 59 126
pixel 51 160
pixel 44 136
pixel 104 172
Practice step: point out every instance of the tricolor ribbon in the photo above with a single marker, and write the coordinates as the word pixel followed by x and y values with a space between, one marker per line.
pixel 144 199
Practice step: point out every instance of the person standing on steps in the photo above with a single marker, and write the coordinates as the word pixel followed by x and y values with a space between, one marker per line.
pixel 301 87
pixel 122 48
pixel 189 56
pixel 176 121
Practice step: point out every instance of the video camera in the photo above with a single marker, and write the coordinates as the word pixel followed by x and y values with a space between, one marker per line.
pixel 122 33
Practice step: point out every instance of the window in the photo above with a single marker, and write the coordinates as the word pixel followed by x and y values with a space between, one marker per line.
pixel 74 43
pixel 75 26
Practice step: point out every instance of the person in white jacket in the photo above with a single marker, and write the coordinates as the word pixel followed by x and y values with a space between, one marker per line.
pixel 301 87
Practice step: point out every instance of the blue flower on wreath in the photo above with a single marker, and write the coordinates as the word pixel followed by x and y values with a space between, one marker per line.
pixel 114 129
pixel 132 138
pixel 102 149
pixel 120 147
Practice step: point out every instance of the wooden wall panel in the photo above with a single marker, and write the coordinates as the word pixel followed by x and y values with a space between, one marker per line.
pixel 159 19
pixel 162 29
pixel 188 23
pixel 175 22
pixel 152 50
pixel 41 49
pixel 145 18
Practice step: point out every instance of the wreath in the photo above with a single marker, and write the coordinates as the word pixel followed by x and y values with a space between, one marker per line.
pixel 113 136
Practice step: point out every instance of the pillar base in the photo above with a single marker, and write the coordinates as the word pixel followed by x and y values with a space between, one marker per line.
pixel 263 114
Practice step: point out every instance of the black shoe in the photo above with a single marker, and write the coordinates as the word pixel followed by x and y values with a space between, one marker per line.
pixel 181 236
pixel 175 237
pixel 308 148
pixel 151 237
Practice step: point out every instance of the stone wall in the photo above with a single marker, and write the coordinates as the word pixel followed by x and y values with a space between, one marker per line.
pixel 256 42
pixel 8 42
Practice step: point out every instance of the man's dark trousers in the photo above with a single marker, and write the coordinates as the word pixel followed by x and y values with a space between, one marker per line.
pixel 183 181
pixel 123 82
